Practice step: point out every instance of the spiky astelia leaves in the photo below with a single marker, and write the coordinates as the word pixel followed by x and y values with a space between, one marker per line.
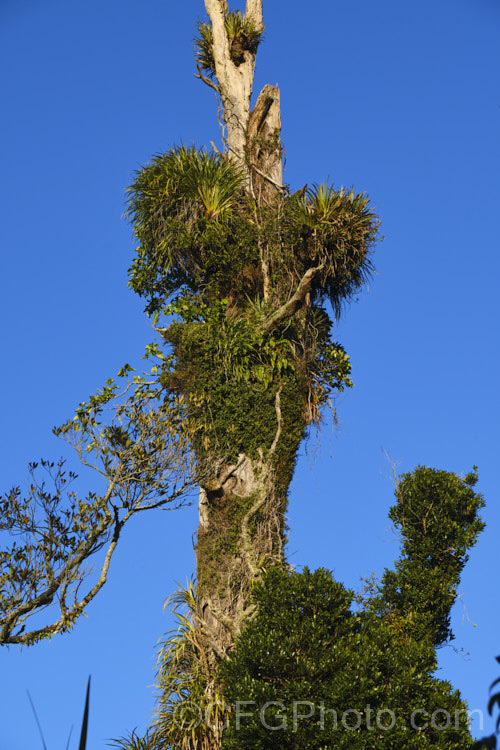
pixel 336 230
pixel 186 209
pixel 243 37
pixel 197 228
pixel 134 741
pixel 189 709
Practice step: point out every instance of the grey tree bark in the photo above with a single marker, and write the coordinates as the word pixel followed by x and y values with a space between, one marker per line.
pixel 252 138
pixel 247 129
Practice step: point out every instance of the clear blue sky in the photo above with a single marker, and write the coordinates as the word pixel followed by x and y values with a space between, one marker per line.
pixel 399 99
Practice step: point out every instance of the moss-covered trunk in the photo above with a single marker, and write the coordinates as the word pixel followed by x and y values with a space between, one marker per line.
pixel 243 270
pixel 242 511
pixel 242 505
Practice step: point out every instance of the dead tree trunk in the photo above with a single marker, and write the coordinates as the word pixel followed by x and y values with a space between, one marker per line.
pixel 241 509
pixel 253 137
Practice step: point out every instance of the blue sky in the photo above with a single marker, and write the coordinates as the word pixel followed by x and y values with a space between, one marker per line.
pixel 401 100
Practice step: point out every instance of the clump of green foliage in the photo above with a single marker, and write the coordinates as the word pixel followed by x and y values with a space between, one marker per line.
pixel 232 371
pixel 437 514
pixel 185 212
pixel 200 230
pixel 308 672
pixel 134 741
pixel 223 267
pixel 242 34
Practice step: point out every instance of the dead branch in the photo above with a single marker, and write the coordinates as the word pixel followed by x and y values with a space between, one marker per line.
pixel 207 81
pixel 253 10
pixel 295 302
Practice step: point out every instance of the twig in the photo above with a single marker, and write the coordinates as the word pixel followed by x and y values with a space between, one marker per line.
pixel 206 80
pixel 295 302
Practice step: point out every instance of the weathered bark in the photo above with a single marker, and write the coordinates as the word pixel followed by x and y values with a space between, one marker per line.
pixel 241 533
pixel 264 145
pixel 242 508
pixel 235 82
pixel 253 137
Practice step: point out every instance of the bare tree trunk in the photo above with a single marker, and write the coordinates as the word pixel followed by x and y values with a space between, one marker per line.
pixel 252 137
pixel 263 138
pixel 234 81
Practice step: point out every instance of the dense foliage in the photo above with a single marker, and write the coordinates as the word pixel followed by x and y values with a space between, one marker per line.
pixel 308 672
pixel 437 513
pixel 242 34
pixel 228 267
pixel 199 229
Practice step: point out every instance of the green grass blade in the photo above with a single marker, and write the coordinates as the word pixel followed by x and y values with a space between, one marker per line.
pixel 37 722
pixel 85 722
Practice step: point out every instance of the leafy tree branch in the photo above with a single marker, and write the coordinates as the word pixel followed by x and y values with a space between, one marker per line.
pixel 137 440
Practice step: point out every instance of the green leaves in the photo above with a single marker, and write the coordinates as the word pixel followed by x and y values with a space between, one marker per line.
pixel 227 266
pixel 305 646
pixel 437 513
pixel 336 229
pixel 186 211
pixel 134 741
pixel 328 678
pixel 217 183
pixel 199 229
pixel 243 36
pixel 138 440
pixel 225 365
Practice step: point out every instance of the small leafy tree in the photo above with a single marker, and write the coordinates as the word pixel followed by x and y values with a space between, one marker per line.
pixel 307 672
